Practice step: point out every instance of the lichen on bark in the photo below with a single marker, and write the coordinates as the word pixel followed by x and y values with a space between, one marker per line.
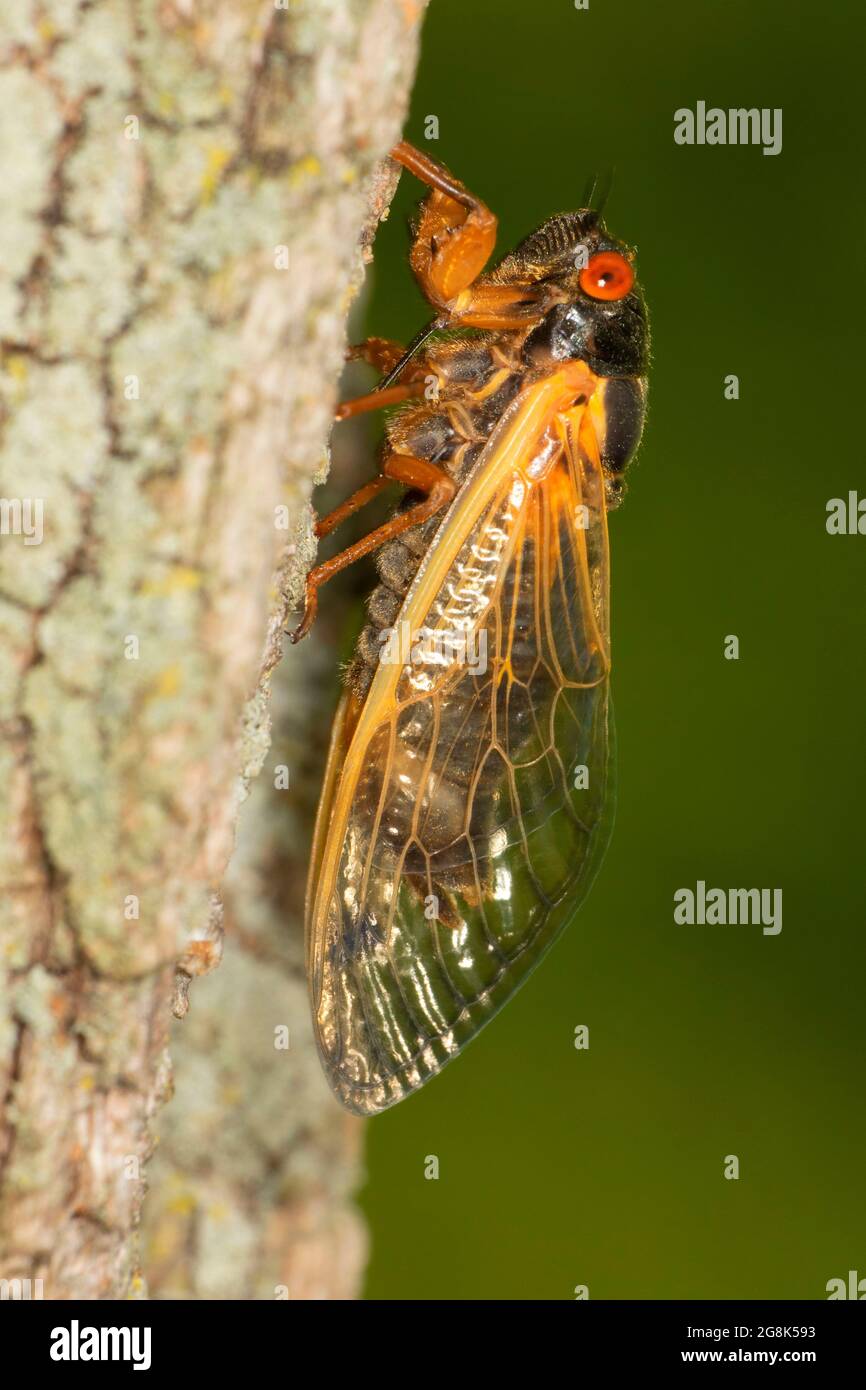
pixel 190 191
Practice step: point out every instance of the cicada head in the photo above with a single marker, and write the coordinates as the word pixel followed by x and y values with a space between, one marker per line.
pixel 597 311
pixel 594 312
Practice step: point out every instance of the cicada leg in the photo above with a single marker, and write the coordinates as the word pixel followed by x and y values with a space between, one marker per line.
pixel 454 240
pixel 378 400
pixel 326 524
pixel 384 354
pixel 381 353
pixel 456 232
pixel 401 468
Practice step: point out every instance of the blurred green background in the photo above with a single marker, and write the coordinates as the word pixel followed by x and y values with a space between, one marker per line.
pixel 605 1167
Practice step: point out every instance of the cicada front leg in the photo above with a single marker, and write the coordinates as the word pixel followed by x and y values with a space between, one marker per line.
pixel 456 232
pixel 454 240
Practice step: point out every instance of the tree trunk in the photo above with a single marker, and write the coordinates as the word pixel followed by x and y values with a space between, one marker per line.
pixel 190 191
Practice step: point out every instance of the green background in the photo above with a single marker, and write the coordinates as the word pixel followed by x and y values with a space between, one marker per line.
pixel 605 1167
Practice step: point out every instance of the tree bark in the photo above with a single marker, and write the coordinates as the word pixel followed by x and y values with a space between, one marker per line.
pixel 190 192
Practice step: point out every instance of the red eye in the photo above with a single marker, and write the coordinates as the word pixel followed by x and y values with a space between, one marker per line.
pixel 606 275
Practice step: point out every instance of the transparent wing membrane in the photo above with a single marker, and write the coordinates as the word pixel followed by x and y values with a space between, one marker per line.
pixel 478 814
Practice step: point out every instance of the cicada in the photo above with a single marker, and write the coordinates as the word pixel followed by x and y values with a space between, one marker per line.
pixel 467 797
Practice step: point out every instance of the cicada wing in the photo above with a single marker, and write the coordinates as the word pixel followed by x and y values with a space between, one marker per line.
pixel 478 812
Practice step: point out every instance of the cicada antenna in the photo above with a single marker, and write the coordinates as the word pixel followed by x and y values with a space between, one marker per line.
pixel 598 190
pixel 606 189
pixel 589 192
